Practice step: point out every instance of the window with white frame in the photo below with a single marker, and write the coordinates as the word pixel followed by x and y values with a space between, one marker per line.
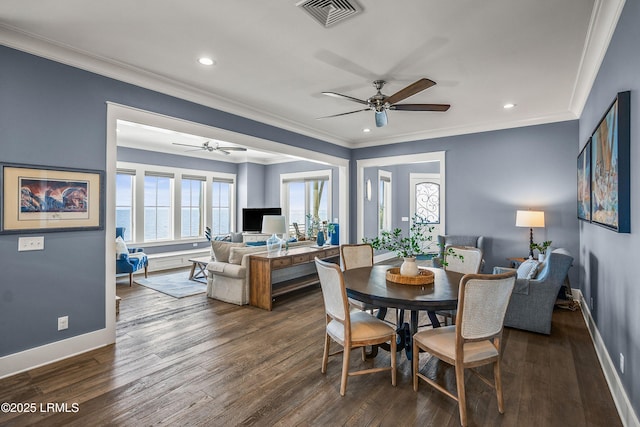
pixel 165 204
pixel 306 199
pixel 158 191
pixel 191 206
pixel 221 206
pixel 384 201
pixel 125 181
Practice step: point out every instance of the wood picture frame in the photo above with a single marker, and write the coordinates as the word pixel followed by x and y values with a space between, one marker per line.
pixel 584 182
pixel 610 167
pixel 38 199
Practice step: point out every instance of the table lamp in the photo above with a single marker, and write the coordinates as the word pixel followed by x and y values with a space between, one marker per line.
pixel 274 224
pixel 530 219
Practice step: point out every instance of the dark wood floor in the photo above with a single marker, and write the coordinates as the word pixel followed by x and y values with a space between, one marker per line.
pixel 197 361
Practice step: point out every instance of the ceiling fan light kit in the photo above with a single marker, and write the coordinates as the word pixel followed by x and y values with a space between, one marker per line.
pixel 380 103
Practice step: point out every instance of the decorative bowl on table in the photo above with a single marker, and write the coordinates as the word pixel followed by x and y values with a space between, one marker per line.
pixel 424 277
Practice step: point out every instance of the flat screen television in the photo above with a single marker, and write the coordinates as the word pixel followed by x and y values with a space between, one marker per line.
pixel 252 218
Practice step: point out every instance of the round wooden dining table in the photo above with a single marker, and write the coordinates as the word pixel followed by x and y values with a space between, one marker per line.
pixel 370 285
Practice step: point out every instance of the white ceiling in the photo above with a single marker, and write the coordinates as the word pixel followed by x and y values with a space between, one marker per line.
pixel 273 60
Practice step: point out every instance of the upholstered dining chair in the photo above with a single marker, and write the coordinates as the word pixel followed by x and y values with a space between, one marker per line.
pixel 468 260
pixel 457 240
pixel 350 329
pixel 475 338
pixel 355 256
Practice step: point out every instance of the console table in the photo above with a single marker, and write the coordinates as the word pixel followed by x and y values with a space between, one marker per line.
pixel 294 268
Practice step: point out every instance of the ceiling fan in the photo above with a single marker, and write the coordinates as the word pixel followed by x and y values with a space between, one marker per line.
pixel 380 102
pixel 207 146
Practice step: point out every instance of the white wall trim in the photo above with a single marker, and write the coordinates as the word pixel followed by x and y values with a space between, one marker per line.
pixel 436 156
pixel 620 398
pixel 39 356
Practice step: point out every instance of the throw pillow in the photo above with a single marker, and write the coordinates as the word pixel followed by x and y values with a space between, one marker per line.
pixel 121 247
pixel 260 243
pixel 221 249
pixel 528 269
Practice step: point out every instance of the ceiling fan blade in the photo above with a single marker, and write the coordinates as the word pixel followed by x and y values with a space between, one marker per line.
pixel 232 148
pixel 350 98
pixel 381 118
pixel 221 151
pixel 199 147
pixel 410 90
pixel 420 107
pixel 342 114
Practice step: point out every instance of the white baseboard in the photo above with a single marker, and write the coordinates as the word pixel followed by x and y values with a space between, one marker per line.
pixel 50 353
pixel 620 397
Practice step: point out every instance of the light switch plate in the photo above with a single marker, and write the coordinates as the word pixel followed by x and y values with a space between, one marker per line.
pixel 30 243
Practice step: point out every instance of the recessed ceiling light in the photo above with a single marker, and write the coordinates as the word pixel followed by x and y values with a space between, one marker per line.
pixel 509 106
pixel 206 61
pixel 365 130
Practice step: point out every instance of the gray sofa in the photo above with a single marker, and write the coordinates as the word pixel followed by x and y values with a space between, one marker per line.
pixel 532 300
pixel 228 279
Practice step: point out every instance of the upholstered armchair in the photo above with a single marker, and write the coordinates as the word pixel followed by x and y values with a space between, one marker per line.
pixel 532 300
pixel 129 260
pixel 458 240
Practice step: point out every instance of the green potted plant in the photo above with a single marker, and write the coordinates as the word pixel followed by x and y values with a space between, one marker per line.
pixel 541 248
pixel 407 247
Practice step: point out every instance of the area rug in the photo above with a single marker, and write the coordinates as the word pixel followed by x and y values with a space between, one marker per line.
pixel 176 285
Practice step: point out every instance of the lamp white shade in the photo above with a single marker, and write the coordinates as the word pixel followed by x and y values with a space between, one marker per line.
pixel 274 224
pixel 529 219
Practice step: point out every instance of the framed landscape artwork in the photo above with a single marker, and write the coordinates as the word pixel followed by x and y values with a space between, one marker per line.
pixel 584 182
pixel 610 175
pixel 43 199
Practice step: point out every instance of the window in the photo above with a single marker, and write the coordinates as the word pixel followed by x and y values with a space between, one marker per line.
pixel 384 201
pixel 158 191
pixel 221 212
pixel 306 199
pixel 191 207
pixel 124 202
pixel 169 205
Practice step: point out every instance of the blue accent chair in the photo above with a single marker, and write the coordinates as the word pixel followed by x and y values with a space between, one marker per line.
pixel 129 263
pixel 532 301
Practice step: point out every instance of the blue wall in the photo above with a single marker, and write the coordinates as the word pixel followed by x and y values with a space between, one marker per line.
pixel 490 175
pixel 55 115
pixel 607 259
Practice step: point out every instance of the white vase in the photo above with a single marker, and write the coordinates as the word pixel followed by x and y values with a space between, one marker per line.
pixel 541 257
pixel 409 267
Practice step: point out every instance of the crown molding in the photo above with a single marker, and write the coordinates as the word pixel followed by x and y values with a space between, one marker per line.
pixel 17 39
pixel 604 19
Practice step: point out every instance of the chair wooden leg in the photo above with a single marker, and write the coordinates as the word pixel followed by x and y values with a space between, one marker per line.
pixel 345 370
pixel 146 271
pixel 498 379
pixel 394 359
pixel 130 279
pixel 462 398
pixel 325 356
pixel 414 362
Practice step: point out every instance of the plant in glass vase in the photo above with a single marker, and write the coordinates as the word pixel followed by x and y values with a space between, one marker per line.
pixel 406 247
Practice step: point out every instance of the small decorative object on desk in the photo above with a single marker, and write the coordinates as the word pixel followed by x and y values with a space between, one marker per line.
pixel 320 239
pixel 424 277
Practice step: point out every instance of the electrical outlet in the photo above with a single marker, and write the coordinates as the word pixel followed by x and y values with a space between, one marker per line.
pixel 405 219
pixel 621 363
pixel 63 323
pixel 195 245
pixel 31 243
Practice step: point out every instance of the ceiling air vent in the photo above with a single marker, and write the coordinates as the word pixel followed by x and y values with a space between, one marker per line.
pixel 330 12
